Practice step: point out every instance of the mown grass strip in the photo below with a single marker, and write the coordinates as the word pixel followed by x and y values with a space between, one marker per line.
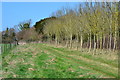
pixel 66 60
pixel 89 64
pixel 94 67
pixel 77 53
pixel 87 57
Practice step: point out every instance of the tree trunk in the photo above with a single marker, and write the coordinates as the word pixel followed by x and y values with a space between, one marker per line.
pixel 94 42
pixel 70 41
pixel 114 47
pixel 56 40
pixel 110 41
pixel 49 40
pixel 115 39
pixel 77 42
pixel 97 41
pixel 103 42
pixel 81 37
pixel 90 42
pixel 67 43
pixel 110 33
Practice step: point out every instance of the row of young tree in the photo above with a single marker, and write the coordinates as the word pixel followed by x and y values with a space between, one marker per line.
pixel 92 25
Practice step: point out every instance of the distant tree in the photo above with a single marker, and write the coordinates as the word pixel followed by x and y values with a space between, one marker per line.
pixel 8 35
pixel 24 25
pixel 39 26
pixel 21 28
pixel 30 35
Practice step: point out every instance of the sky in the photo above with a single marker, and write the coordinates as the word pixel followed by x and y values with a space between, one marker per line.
pixel 15 12
pixel 57 0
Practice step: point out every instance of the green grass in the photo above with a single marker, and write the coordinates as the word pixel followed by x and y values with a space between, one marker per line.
pixel 45 61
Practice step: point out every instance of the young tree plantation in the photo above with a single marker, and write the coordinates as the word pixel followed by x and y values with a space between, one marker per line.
pixel 92 25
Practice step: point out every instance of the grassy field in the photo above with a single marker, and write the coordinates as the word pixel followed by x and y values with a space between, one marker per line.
pixel 46 61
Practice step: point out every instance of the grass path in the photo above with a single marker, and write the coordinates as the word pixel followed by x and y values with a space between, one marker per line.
pixel 45 61
pixel 101 67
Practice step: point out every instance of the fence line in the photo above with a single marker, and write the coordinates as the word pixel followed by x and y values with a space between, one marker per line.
pixel 6 47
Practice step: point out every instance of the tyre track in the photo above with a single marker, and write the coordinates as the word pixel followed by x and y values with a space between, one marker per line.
pixel 78 62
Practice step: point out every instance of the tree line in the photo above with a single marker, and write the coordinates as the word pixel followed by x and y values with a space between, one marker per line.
pixel 92 25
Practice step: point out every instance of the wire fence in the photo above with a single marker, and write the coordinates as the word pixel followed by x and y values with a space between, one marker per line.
pixel 6 47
